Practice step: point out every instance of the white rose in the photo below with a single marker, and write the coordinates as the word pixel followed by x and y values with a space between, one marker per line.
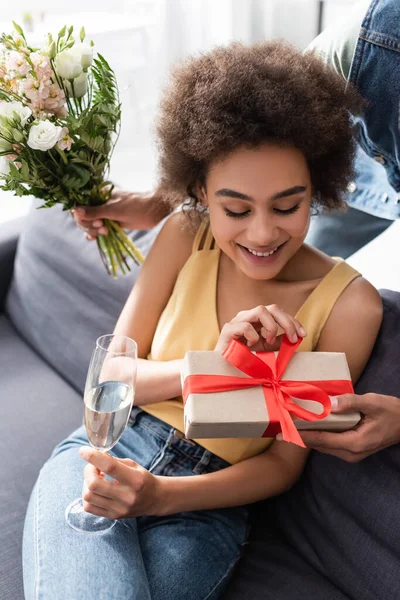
pixel 15 110
pixel 85 54
pixel 80 86
pixel 4 166
pixel 68 64
pixel 44 135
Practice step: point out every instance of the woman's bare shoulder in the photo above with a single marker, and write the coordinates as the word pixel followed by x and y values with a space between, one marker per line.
pixel 353 325
pixel 174 243
pixel 318 263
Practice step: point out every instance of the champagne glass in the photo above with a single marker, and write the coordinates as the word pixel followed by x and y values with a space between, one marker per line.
pixel 108 400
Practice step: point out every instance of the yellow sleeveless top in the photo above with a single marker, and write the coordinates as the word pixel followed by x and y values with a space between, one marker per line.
pixel 189 322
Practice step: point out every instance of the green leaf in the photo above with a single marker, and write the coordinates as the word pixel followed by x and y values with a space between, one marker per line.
pixel 75 177
pixel 24 170
pixel 18 28
pixel 97 143
pixel 14 172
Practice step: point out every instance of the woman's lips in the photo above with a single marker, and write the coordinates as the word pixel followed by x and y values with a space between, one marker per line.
pixel 265 258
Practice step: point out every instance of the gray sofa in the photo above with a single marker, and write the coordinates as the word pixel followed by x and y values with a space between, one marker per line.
pixel 320 541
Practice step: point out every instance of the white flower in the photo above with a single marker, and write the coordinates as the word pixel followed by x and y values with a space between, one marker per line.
pixel 80 86
pixel 4 166
pixel 65 141
pixel 68 64
pixel 15 110
pixel 17 62
pixel 44 135
pixel 85 54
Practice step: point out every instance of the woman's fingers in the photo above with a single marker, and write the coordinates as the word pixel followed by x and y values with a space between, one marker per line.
pixel 268 326
pixel 265 321
pixel 269 320
pixel 237 331
pixel 96 484
pixel 95 510
pixel 289 324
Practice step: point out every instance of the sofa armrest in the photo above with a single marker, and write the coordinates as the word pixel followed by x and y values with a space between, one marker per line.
pixel 9 234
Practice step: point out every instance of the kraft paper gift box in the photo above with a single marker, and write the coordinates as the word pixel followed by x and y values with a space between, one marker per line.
pixel 250 412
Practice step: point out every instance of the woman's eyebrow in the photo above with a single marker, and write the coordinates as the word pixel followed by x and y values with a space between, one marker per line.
pixel 227 193
pixel 297 189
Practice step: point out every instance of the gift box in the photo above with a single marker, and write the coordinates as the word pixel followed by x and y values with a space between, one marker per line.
pixel 243 394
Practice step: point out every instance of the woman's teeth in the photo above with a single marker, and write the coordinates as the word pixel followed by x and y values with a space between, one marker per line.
pixel 262 253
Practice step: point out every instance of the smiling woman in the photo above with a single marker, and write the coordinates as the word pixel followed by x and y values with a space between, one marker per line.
pixel 244 131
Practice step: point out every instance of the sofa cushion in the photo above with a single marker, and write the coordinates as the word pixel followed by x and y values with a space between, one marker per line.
pixel 61 298
pixel 38 409
pixel 336 535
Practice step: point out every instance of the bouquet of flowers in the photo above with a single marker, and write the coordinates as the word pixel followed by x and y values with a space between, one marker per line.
pixel 59 122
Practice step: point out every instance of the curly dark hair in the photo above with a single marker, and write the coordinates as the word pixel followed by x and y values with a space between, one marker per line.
pixel 241 95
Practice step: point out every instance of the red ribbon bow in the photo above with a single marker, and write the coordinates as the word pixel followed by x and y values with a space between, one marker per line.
pixel 266 370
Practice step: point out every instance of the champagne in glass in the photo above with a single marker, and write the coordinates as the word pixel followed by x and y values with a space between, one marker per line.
pixel 107 409
pixel 108 400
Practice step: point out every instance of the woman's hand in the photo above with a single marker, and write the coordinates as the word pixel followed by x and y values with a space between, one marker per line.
pixel 131 210
pixel 259 327
pixel 133 493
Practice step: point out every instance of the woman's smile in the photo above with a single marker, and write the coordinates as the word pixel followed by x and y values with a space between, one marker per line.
pixel 261 256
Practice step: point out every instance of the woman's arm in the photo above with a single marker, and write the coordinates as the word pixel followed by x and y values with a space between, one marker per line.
pixel 268 474
pixel 139 492
pixel 353 325
pixel 352 328
pixel 156 381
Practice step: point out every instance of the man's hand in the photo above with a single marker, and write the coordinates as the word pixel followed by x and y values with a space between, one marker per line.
pixel 131 210
pixel 379 428
pixel 133 493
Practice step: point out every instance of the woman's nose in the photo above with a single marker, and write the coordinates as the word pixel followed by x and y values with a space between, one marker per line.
pixel 262 231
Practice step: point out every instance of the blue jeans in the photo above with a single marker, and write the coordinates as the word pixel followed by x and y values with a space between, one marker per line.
pixel 186 556
pixel 343 233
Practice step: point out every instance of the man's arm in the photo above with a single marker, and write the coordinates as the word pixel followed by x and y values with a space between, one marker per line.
pixel 132 210
pixel 378 429
pixel 337 43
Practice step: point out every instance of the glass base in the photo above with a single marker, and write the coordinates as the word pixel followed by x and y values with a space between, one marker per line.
pixel 85 522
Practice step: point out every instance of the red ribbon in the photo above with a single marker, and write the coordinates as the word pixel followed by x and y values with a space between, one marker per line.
pixel 266 370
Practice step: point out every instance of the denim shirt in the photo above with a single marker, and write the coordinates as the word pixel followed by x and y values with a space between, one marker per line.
pixel 375 72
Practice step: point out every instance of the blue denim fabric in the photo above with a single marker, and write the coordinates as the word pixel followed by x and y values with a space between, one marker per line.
pixel 375 72
pixel 371 191
pixel 186 556
pixel 343 233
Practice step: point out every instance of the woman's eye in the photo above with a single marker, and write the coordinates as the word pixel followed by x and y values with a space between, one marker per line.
pixel 236 215
pixel 287 211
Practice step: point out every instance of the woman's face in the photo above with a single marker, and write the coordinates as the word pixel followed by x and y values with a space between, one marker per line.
pixel 259 204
